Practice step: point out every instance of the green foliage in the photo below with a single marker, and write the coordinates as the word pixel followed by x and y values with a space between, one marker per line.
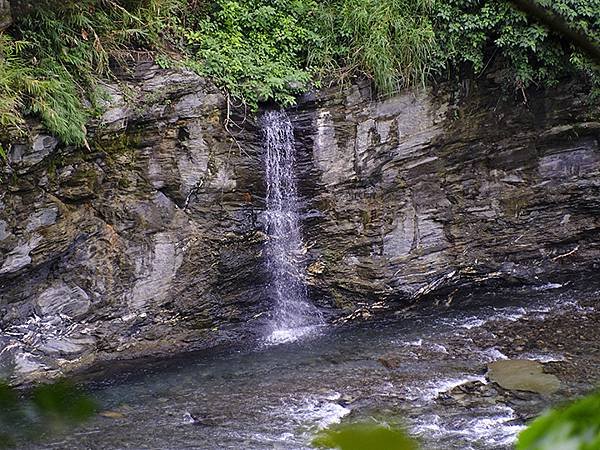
pixel 254 48
pixel 45 71
pixel 476 32
pixel 272 50
pixel 48 408
pixel 364 437
pixel 58 50
pixel 574 427
pixel 9 414
pixel 261 49
pixel 392 42
pixel 63 401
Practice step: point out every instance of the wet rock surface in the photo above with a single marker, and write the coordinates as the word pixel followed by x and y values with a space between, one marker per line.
pixel 147 243
pixel 437 194
pixel 543 337
pixel 549 333
pixel 151 241
pixel 522 375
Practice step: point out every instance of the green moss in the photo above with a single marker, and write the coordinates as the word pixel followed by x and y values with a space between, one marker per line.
pixel 88 176
pixel 365 216
pixel 514 204
pixel 340 301
pixel 118 144
pixel 124 183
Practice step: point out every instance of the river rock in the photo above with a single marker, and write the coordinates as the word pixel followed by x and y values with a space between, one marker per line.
pixel 472 393
pixel 522 375
pixel 27 155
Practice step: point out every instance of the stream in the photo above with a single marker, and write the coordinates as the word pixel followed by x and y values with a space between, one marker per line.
pixel 400 371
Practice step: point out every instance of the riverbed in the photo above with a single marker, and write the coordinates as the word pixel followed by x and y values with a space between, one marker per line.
pixel 422 370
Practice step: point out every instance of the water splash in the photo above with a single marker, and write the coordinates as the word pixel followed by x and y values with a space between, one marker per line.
pixel 293 315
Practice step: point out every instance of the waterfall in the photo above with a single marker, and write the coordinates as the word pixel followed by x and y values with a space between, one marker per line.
pixel 293 314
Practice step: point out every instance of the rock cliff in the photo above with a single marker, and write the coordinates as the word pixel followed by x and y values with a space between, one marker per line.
pixel 150 241
pixel 145 244
pixel 442 193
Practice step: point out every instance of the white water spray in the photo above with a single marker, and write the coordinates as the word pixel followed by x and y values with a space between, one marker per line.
pixel 293 314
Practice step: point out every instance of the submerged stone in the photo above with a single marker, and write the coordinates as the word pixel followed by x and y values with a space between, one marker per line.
pixel 112 414
pixel 522 375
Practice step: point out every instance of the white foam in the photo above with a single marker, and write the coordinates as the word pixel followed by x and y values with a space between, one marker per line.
pixel 188 419
pixel 572 305
pixel 543 358
pixel 435 388
pixel 331 413
pixel 495 428
pixel 417 343
pixel 319 410
pixel 548 287
pixel 493 354
pixel 333 396
pixel 439 348
pixel 472 322
pixel 510 314
pixel 288 335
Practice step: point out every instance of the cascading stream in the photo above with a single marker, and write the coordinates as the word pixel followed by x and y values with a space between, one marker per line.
pixel 293 314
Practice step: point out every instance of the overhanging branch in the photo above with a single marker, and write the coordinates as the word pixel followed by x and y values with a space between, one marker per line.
pixel 555 23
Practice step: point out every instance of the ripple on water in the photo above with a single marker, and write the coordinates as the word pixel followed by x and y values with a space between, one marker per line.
pixel 543 357
pixel 282 394
pixel 492 354
pixel 472 322
pixel 504 314
pixel 432 389
pixel 491 428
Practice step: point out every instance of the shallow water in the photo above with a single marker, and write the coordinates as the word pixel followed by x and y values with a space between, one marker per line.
pixel 279 396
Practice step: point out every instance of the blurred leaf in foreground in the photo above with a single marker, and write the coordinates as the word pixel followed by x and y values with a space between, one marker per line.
pixel 10 414
pixel 364 437
pixel 47 408
pixel 63 401
pixel 573 427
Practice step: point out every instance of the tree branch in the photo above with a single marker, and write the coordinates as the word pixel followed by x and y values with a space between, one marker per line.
pixel 555 23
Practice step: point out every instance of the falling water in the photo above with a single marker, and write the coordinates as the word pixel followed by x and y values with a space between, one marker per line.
pixel 293 314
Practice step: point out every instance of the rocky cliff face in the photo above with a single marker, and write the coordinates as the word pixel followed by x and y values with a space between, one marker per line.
pixel 146 243
pixel 150 242
pixel 450 193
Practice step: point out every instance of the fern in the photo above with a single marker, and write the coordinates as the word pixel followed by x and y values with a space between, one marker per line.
pixel 51 66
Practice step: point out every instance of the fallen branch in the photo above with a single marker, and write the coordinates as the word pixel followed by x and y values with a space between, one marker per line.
pixel 556 258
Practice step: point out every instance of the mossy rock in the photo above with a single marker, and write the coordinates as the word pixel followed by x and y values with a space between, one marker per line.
pixel 522 375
